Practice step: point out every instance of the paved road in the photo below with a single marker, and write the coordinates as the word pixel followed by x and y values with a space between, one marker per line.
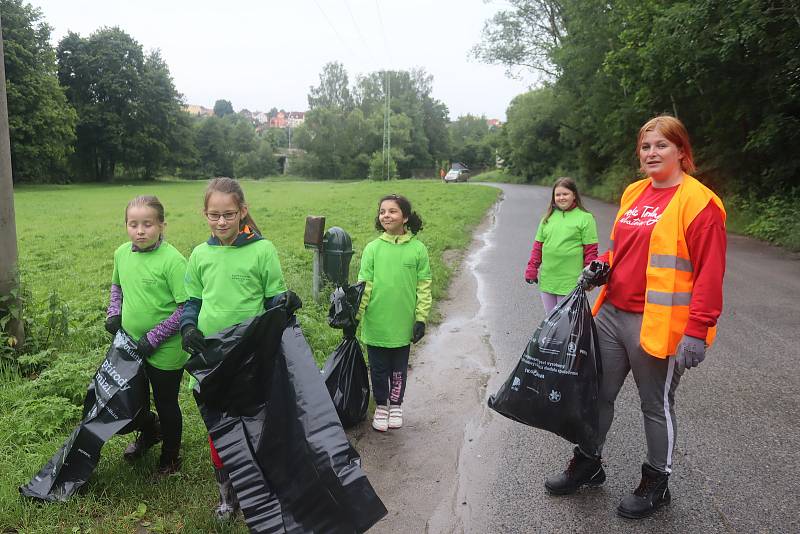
pixel 459 467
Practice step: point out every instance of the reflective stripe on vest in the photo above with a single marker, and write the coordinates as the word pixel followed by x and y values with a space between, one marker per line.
pixel 666 261
pixel 669 299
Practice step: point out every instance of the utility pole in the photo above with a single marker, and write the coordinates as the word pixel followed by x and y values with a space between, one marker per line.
pixel 387 125
pixel 9 278
pixel 389 128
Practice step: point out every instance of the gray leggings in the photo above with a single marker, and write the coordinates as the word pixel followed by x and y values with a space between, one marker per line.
pixel 656 378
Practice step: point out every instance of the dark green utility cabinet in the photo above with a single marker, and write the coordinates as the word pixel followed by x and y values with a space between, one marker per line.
pixel 337 250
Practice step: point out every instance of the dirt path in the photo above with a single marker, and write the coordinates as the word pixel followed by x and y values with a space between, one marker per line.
pixel 415 469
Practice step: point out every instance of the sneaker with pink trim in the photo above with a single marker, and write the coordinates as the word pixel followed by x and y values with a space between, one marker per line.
pixel 395 416
pixel 380 421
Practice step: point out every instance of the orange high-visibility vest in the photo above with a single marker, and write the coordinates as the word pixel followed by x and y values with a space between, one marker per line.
pixel 669 268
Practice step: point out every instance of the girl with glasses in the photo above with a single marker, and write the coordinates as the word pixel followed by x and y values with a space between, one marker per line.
pixel 231 277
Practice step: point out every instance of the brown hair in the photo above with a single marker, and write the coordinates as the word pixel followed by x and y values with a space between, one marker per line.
pixel 149 201
pixel 570 184
pixel 675 132
pixel 223 184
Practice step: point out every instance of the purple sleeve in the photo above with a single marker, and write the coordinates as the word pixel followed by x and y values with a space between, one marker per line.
pixel 115 302
pixel 166 328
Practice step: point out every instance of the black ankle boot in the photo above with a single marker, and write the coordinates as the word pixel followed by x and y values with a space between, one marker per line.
pixel 149 435
pixel 581 470
pixel 646 499
pixel 169 462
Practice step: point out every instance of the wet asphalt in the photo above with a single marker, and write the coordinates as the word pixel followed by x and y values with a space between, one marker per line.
pixel 736 461
pixel 737 458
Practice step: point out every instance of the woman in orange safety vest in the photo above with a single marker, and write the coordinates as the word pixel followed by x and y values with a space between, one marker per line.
pixel 659 306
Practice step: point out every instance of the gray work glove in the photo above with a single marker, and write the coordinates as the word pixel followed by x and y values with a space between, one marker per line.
pixel 690 352
pixel 593 275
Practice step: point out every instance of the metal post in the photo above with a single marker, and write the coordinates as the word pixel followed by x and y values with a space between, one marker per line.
pixel 9 277
pixel 316 278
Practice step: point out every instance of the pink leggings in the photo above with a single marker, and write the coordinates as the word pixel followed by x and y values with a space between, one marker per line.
pixel 549 300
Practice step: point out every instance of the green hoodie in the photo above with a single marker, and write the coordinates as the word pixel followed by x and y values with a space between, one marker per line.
pixel 398 291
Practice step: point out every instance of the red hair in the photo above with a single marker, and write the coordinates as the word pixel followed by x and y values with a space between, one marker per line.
pixel 675 132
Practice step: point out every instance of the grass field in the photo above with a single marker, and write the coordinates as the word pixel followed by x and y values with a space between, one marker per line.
pixel 67 235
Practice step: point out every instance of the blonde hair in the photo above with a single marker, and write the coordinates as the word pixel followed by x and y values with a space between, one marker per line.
pixel 149 201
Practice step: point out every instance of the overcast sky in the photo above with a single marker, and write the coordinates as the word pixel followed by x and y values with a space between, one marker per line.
pixel 266 54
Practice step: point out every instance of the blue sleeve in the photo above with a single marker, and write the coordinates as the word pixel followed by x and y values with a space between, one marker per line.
pixel 191 312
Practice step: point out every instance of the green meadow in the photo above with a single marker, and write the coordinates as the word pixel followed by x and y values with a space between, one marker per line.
pixel 67 235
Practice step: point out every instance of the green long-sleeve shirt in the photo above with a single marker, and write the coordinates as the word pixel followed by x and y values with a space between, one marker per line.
pixel 398 290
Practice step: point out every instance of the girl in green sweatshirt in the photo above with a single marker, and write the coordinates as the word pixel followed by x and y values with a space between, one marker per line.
pixel 395 305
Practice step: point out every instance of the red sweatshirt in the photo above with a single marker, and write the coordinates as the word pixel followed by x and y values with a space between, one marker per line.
pixel 705 239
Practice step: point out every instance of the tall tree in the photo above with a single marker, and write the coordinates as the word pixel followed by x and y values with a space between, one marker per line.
pixel 41 122
pixel 727 69
pixel 128 108
pixel 212 141
pixel 222 108
pixel 533 134
pixel 469 138
pixel 158 128
pixel 524 36
pixel 103 75
pixel 333 90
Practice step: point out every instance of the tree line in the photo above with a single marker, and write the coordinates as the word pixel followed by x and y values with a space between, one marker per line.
pixel 97 107
pixel 729 70
pixel 350 132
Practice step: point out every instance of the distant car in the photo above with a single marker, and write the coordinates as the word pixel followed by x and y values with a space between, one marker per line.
pixel 456 175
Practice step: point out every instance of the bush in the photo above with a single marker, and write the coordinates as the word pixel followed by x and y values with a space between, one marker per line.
pixel 775 219
pixel 498 175
pixel 377 167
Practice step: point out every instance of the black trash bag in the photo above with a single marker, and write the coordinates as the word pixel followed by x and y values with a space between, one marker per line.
pixel 344 305
pixel 347 380
pixel 277 433
pixel 555 384
pixel 117 394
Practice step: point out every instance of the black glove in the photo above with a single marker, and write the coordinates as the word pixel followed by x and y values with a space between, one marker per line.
pixel 113 324
pixel 593 275
pixel 532 280
pixel 144 348
pixel 350 330
pixel 418 332
pixel 293 302
pixel 193 340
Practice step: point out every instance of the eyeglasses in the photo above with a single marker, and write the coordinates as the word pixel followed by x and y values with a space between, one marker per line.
pixel 228 215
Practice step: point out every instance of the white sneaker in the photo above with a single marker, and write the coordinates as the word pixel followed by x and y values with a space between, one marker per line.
pixel 395 416
pixel 380 421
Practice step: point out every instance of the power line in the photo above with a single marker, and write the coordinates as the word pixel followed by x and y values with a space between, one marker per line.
pixel 358 31
pixel 383 32
pixel 338 35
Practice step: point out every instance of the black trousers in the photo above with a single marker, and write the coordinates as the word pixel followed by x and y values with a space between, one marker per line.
pixel 388 369
pixel 165 385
